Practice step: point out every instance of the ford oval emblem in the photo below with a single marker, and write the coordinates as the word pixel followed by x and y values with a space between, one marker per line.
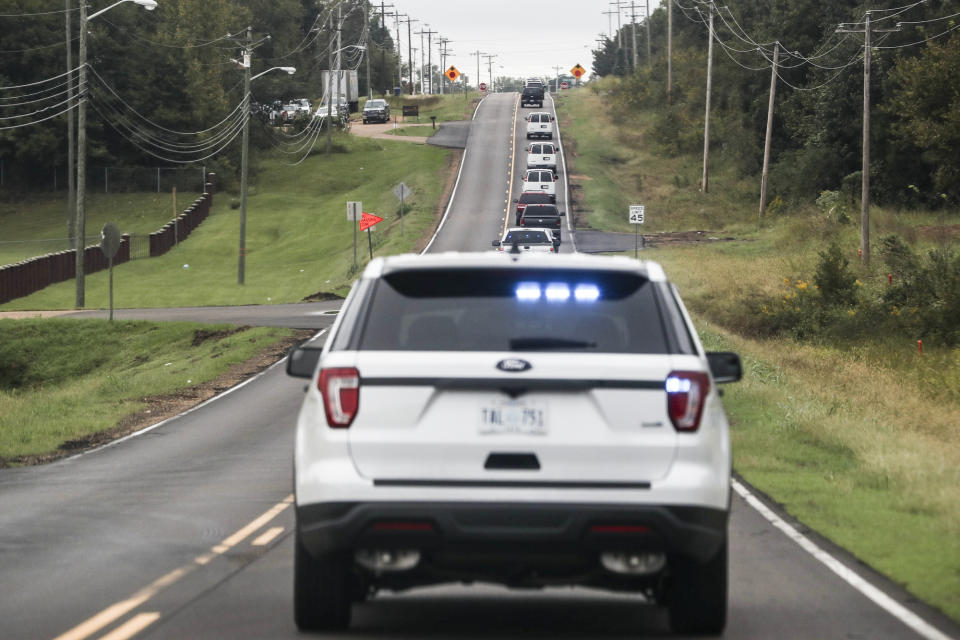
pixel 514 365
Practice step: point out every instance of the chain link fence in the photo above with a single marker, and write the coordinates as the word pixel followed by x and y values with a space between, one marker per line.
pixel 118 179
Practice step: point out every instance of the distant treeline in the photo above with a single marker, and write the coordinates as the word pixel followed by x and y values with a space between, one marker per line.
pixel 816 142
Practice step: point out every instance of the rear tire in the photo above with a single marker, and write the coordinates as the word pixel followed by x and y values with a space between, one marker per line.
pixel 321 590
pixel 697 594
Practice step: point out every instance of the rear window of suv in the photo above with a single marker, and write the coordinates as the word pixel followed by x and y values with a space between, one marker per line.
pixel 515 310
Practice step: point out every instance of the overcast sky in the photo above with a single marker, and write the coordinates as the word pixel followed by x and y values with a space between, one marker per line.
pixel 529 37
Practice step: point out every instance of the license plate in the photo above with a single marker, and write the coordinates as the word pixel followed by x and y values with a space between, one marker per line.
pixel 513 417
pixel 546 159
pixel 543 126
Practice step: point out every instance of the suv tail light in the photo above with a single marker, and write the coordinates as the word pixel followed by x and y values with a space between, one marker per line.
pixel 340 389
pixel 686 395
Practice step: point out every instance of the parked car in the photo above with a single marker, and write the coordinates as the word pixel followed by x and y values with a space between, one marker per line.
pixel 532 96
pixel 542 181
pixel 528 239
pixel 376 111
pixel 542 155
pixel 542 216
pixel 530 197
pixel 530 422
pixel 540 125
pixel 303 107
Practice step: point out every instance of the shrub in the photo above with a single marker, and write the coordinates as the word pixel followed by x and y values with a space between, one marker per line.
pixel 925 295
pixel 837 285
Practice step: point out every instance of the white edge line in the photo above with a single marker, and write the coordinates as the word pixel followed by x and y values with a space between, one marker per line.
pixel 219 396
pixel 878 597
pixel 566 178
pixel 453 194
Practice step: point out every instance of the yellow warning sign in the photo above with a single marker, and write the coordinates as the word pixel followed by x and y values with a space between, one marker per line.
pixel 577 71
pixel 452 74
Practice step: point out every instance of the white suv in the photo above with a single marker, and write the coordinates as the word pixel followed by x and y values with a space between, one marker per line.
pixel 539 125
pixel 540 420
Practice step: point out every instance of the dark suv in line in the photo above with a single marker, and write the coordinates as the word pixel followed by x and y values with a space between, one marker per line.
pixel 532 96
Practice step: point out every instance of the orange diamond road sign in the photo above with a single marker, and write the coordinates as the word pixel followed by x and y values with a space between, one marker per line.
pixel 367 220
pixel 577 71
pixel 452 73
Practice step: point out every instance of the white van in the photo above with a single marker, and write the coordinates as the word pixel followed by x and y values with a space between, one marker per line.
pixel 540 181
pixel 539 125
pixel 542 155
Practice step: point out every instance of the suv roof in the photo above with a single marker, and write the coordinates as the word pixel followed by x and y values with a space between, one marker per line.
pixel 534 197
pixel 489 260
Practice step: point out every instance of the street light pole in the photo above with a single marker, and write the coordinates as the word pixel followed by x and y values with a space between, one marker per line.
pixel 71 135
pixel 81 222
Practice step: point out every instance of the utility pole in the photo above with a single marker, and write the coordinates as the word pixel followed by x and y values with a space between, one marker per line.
pixel 81 158
pixel 704 185
pixel 444 52
pixel 609 15
pixel 413 89
pixel 430 33
pixel 669 52
pixel 556 71
pixel 647 20
pixel 71 137
pixel 339 56
pixel 766 143
pixel 245 148
pixel 366 41
pixel 330 81
pixel 865 167
pixel 396 16
pixel 490 58
pixel 383 48
pixel 479 53
pixel 633 28
pixel 619 27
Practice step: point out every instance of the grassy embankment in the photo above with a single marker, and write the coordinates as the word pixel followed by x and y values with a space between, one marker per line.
pixel 36 224
pixel 857 440
pixel 298 239
pixel 63 380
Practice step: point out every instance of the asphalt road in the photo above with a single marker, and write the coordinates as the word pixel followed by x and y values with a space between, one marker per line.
pixel 185 530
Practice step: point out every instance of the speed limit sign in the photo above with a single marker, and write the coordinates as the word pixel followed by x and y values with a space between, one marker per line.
pixel 636 214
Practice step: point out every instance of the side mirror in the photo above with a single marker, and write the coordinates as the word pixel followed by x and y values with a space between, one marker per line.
pixel 496 243
pixel 515 200
pixel 561 214
pixel 556 242
pixel 725 366
pixel 302 361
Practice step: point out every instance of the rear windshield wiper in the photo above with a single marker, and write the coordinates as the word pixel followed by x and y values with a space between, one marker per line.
pixel 534 344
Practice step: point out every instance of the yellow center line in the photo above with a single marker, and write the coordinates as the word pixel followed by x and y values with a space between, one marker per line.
pixel 513 160
pixel 119 609
pixel 267 537
pixel 133 626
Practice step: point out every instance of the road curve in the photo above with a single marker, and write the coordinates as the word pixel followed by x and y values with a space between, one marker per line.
pixel 184 531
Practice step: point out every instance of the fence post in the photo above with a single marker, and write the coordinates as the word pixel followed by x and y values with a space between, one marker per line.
pixel 158 179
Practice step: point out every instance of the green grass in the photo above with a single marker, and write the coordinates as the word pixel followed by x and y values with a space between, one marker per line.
pixel 298 239
pixel 35 225
pixel 61 380
pixel 422 130
pixel 858 440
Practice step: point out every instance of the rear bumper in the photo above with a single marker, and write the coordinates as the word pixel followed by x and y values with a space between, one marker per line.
pixel 510 529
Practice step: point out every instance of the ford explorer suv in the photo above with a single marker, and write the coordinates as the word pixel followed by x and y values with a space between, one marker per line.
pixel 542 155
pixel 540 125
pixel 541 181
pixel 539 420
